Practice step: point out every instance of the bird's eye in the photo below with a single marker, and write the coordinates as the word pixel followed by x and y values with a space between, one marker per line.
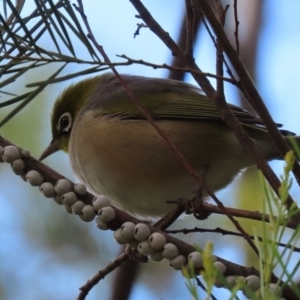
pixel 65 122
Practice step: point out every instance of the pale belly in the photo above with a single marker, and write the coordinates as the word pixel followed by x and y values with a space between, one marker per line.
pixel 135 168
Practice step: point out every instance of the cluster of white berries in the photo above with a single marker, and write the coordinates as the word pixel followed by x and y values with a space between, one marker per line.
pixel 156 247
pixel 137 236
pixel 13 155
pixel 62 192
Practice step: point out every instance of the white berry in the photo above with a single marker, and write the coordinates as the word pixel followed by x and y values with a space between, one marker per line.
pixel 128 230
pixel 69 198
pixel 62 186
pixel 196 259
pixel 25 153
pixel 230 281
pixel 170 251
pixel 99 202
pixel 141 232
pixel 144 248
pixel 34 178
pixel 88 213
pixel 156 256
pixel 100 224
pixel 157 241
pixel 80 188
pixel 106 214
pixel 178 262
pixel 119 237
pixel 47 189
pixel 253 282
pixel 10 153
pixel 220 267
pixel 77 207
pixel 18 166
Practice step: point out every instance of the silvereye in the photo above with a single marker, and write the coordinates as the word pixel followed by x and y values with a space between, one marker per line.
pixel 116 152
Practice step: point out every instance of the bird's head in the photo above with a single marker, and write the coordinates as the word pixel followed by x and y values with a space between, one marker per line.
pixel 65 110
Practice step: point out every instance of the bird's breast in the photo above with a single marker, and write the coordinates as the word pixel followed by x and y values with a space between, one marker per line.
pixel 128 161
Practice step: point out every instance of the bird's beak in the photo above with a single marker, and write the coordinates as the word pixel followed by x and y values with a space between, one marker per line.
pixel 52 148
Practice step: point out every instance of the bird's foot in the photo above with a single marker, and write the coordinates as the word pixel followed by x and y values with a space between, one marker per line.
pixel 194 206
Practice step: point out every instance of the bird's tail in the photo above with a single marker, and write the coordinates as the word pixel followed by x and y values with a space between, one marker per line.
pixel 269 149
pixel 287 133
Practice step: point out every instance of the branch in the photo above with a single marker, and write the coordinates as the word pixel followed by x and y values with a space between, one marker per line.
pixel 242 213
pixel 85 289
pixel 236 31
pixel 171 68
pixel 248 88
pixel 190 35
pixel 229 232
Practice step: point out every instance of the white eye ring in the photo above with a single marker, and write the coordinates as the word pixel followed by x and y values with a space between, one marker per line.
pixel 65 122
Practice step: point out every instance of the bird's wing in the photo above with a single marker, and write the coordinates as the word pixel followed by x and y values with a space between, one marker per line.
pixel 198 107
pixel 168 99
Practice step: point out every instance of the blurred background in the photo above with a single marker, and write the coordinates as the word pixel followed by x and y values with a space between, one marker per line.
pixel 46 253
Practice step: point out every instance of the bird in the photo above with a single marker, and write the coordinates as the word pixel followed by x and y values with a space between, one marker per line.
pixel 115 151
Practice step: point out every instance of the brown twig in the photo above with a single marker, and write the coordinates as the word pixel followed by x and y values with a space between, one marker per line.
pixel 248 46
pixel 85 289
pixel 170 218
pixel 202 286
pixel 124 278
pixel 189 26
pixel 236 31
pixel 195 19
pixel 220 57
pixel 242 213
pixel 229 232
pixel 172 68
pixel 221 97
pixel 139 27
pixel 130 61
pixel 229 71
